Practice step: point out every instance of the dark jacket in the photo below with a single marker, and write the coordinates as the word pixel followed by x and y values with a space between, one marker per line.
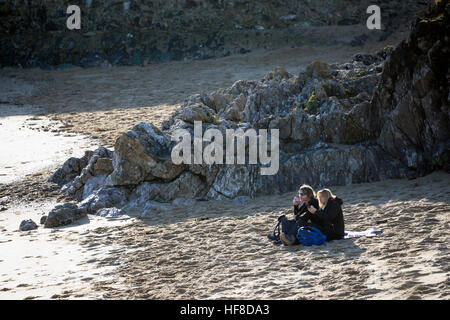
pixel 332 218
pixel 301 211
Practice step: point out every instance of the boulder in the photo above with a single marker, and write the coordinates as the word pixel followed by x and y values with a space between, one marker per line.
pixel 93 184
pixel 198 112
pixel 137 153
pixel 234 180
pixel 187 185
pixel 318 69
pixel 64 214
pixel 27 225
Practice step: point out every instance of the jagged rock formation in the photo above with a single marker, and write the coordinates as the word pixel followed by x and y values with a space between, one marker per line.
pixel 137 32
pixel 411 105
pixel 79 177
pixel 377 117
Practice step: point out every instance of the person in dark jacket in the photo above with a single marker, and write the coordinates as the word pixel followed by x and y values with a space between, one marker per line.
pixel 329 219
pixel 306 199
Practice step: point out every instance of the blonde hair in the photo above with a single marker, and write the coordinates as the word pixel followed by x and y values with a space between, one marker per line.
pixel 327 193
pixel 308 190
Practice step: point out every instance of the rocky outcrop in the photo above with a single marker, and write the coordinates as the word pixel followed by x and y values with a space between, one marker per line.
pixel 79 177
pixel 376 117
pixel 411 115
pixel 70 169
pixel 138 32
pixel 322 117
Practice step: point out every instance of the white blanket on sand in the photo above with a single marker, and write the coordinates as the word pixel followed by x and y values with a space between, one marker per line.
pixel 367 233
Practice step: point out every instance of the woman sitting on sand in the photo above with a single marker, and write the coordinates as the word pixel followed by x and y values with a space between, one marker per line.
pixel 307 198
pixel 329 218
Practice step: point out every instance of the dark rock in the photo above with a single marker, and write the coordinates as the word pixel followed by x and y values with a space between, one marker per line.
pixel 410 108
pixel 43 219
pixel 64 214
pixel 70 169
pixel 175 30
pixel 27 225
pixel 93 60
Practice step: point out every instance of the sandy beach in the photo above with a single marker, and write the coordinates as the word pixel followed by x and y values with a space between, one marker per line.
pixel 210 250
pixel 218 250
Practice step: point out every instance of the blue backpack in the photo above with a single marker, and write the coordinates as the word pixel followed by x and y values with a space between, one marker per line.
pixel 309 236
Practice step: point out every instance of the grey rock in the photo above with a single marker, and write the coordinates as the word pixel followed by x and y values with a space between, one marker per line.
pixel 64 214
pixel 27 225
pixel 232 181
pixel 93 184
pixel 95 166
pixel 137 153
pixel 104 198
pixel 109 212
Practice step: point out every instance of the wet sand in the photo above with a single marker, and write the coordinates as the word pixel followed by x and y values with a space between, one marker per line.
pixel 51 263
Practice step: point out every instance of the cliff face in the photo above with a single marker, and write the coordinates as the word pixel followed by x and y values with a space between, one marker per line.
pixel 411 104
pixel 135 32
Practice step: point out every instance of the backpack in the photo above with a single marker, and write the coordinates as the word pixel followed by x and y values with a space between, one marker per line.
pixel 287 227
pixel 309 236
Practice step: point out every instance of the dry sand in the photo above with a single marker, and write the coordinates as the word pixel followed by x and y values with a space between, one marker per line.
pixel 218 250
pixel 211 250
